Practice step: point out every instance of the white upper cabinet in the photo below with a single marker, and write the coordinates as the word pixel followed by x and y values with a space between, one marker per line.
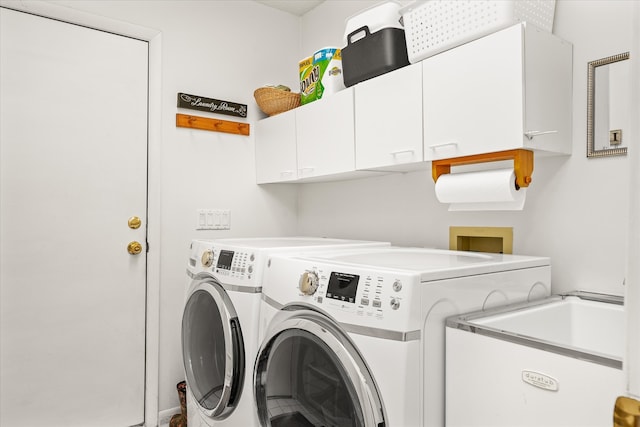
pixel 388 120
pixel 275 149
pixel 325 136
pixel 511 89
pixel 314 142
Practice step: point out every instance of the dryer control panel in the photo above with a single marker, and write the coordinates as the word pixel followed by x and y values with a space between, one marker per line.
pixel 233 263
pixel 229 263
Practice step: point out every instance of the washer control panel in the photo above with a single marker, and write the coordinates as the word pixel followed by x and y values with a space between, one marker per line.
pixel 368 294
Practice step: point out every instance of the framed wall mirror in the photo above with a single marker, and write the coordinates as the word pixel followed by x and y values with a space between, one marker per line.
pixel 608 105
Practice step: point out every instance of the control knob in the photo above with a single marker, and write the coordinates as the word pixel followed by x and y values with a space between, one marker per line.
pixel 308 283
pixel 207 258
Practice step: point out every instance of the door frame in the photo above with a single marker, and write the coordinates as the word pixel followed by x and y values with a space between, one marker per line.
pixel 154 136
pixel 632 288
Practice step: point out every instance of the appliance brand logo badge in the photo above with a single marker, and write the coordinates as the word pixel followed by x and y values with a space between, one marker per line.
pixel 540 380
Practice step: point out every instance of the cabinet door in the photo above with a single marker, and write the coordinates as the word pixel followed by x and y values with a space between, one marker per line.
pixel 388 117
pixel 473 97
pixel 276 149
pixel 325 135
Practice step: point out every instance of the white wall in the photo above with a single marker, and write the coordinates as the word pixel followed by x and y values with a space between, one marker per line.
pixel 222 50
pixel 576 209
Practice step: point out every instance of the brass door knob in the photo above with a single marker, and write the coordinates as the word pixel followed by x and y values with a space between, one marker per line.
pixel 134 222
pixel 626 412
pixel 134 248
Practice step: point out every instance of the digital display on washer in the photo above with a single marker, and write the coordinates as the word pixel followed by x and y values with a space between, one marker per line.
pixel 343 286
pixel 224 260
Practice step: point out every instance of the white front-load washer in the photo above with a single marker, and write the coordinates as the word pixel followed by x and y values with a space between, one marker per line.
pixel 220 322
pixel 356 338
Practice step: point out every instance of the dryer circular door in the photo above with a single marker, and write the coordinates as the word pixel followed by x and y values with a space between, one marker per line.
pixel 212 348
pixel 308 372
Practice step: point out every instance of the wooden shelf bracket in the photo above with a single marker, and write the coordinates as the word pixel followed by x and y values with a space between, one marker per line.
pixel 522 164
pixel 216 125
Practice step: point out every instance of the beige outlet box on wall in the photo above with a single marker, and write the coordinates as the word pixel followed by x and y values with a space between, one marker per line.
pixel 481 239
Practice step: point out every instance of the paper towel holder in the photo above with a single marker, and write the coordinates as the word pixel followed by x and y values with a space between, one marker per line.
pixel 522 164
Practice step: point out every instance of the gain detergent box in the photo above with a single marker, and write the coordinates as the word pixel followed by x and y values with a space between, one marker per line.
pixel 320 74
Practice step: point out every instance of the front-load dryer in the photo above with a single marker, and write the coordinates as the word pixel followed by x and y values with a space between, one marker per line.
pixel 356 338
pixel 220 322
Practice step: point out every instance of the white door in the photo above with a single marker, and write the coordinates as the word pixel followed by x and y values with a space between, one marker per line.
pixel 73 170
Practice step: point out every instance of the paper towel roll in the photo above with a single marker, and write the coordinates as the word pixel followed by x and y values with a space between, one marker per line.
pixel 484 190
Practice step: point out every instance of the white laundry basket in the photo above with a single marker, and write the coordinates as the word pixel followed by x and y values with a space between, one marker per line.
pixel 434 26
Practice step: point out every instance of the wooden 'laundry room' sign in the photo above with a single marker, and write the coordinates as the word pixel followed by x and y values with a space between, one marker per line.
pixel 195 102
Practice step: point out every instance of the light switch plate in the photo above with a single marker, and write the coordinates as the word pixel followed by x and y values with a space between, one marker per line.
pixel 213 219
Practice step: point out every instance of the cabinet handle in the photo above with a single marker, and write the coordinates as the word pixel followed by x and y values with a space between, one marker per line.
pixel 287 173
pixel 444 144
pixel 533 133
pixel 308 168
pixel 395 153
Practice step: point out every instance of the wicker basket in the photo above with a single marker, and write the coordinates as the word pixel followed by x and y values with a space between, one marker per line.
pixel 273 101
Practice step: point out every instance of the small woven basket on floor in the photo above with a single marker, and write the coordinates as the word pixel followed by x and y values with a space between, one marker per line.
pixel 273 101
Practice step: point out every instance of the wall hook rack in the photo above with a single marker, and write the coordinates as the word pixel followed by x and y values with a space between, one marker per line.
pixel 215 125
pixel 522 164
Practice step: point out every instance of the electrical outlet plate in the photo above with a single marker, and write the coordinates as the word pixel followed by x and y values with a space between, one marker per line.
pixel 213 219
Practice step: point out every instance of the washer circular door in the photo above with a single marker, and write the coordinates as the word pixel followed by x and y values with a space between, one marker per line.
pixel 212 348
pixel 308 373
